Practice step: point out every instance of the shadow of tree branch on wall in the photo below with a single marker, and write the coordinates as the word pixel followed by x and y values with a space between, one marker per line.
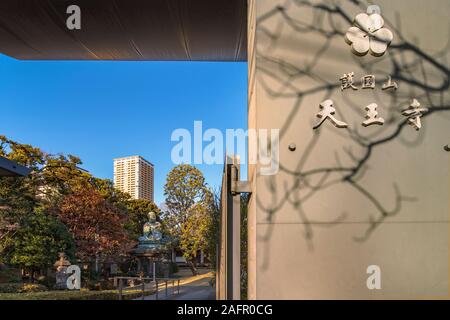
pixel 407 63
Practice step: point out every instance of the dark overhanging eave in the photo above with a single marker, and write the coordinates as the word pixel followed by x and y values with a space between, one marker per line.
pixel 156 30
pixel 9 168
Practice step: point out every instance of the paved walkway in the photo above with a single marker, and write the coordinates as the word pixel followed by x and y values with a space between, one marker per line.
pixel 192 288
pixel 196 290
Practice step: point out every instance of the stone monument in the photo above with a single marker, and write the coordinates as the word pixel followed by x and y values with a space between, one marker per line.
pixel 151 230
pixel 61 271
pixel 152 248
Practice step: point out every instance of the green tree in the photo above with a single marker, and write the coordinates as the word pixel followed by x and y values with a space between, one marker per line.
pixel 185 192
pixel 51 176
pixel 102 220
pixel 213 234
pixel 38 241
pixel 17 195
pixel 194 235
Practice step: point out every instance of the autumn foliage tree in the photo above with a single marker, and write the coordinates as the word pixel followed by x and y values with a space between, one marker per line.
pixel 95 223
pixel 102 221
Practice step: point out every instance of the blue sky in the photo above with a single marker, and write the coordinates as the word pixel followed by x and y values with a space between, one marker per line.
pixel 103 110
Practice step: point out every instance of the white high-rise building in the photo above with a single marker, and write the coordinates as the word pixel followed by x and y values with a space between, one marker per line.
pixel 134 175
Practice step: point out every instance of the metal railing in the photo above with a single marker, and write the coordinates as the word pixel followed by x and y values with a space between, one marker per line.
pixel 119 285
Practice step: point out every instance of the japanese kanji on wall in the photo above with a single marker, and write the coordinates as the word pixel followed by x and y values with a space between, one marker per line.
pixel 368 35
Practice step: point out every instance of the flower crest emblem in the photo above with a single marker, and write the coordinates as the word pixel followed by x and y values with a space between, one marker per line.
pixel 368 34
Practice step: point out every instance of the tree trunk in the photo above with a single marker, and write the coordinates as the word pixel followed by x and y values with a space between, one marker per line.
pixel 33 275
pixel 96 263
pixel 193 266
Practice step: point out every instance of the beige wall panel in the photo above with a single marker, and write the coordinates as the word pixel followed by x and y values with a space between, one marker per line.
pixel 333 265
pixel 349 198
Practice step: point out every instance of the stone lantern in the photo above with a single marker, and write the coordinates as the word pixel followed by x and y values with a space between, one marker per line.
pixel 61 268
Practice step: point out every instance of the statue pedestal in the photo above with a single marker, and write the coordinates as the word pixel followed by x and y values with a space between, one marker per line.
pixel 61 272
pixel 152 248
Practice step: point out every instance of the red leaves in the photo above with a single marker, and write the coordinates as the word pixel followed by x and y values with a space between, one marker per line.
pixel 96 224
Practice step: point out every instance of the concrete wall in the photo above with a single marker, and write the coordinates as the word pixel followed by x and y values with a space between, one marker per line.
pixel 349 198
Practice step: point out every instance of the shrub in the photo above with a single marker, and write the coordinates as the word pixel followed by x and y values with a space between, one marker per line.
pixel 32 287
pixel 10 287
pixel 22 288
pixel 48 281
pixel 8 274
pixel 99 285
pixel 72 295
